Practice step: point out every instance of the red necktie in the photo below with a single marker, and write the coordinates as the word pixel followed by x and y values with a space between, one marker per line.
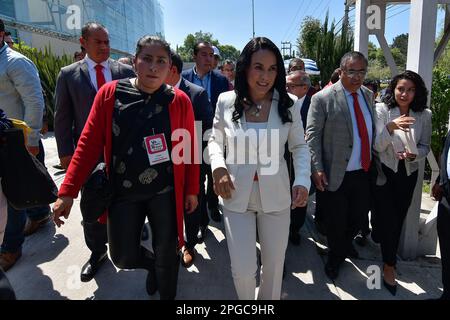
pixel 363 134
pixel 100 76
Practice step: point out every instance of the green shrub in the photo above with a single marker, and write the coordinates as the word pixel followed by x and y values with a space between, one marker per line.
pixel 48 66
pixel 440 106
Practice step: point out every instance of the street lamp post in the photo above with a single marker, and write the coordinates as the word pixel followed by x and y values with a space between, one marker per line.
pixel 253 14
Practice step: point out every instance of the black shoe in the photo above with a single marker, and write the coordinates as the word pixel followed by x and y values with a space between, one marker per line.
pixel 294 238
pixel 91 267
pixel 215 214
pixel 201 234
pixel 150 283
pixel 331 271
pixel 352 253
pixel 361 240
pixel 145 234
pixel 391 288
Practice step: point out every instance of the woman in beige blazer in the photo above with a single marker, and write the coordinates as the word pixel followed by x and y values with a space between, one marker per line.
pixel 403 136
pixel 250 129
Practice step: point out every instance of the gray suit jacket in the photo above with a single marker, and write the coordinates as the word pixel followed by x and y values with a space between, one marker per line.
pixel 74 96
pixel 329 132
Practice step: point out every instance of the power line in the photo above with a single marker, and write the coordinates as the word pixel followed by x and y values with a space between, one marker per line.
pixel 397 13
pixel 298 27
pixel 293 20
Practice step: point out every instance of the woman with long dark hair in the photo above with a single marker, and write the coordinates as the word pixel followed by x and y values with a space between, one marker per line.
pixel 253 123
pixel 403 136
pixel 148 179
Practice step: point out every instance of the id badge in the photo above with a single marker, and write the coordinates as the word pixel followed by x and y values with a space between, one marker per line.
pixel 157 149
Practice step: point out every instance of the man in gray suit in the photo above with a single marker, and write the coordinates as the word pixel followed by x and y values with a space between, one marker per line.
pixel 76 88
pixel 340 131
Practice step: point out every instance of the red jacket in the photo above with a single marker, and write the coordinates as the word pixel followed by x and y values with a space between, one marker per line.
pixel 97 137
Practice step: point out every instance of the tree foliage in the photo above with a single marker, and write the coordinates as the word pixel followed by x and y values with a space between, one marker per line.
pixel 310 31
pixel 440 97
pixel 401 42
pixel 187 50
pixel 330 47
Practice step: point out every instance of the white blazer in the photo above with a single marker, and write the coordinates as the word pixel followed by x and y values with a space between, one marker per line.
pixel 266 157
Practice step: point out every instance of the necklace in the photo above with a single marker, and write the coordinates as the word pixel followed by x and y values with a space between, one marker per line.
pixel 257 110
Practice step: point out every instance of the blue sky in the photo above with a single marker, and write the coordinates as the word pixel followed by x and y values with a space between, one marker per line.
pixel 230 21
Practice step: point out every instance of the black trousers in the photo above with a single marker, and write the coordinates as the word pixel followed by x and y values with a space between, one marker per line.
pixel 125 221
pixel 443 229
pixel 345 208
pixel 392 201
pixel 192 221
pixel 96 237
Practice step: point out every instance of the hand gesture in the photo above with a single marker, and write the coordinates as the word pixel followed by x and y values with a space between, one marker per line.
pixel 222 183
pixel 62 207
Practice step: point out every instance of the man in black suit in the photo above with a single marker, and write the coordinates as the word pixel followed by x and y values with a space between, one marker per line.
pixel 203 112
pixel 298 84
pixel 214 83
pixel 76 88
pixel 441 192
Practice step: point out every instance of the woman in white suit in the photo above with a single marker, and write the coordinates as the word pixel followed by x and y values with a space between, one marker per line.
pixel 403 137
pixel 246 148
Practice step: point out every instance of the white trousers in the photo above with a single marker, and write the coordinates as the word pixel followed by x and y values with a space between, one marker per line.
pixel 273 233
pixel 3 213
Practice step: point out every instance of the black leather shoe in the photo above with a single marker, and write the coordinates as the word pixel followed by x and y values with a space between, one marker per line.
pixel 150 283
pixel 91 267
pixel 201 234
pixel 294 238
pixel 391 288
pixel 145 234
pixel 331 271
pixel 215 214
pixel 361 240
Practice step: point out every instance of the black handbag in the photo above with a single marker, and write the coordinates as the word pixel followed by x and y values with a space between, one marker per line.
pixel 26 182
pixel 98 191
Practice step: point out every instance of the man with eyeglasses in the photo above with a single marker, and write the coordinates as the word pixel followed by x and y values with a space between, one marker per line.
pixel 340 131
pixel 298 84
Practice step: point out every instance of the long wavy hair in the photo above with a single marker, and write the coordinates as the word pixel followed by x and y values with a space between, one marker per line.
pixel 241 85
pixel 419 102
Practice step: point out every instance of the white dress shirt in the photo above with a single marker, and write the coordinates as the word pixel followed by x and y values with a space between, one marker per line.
pixel 93 73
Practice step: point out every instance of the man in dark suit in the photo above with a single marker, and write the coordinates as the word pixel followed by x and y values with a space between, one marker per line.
pixel 76 88
pixel 203 112
pixel 441 192
pixel 214 83
pixel 298 84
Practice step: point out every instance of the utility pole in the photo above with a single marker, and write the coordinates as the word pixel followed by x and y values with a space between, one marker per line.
pixel 253 14
pixel 346 11
pixel 286 47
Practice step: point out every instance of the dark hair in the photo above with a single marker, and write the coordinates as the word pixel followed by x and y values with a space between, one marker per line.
pixel 419 102
pixel 7 33
pixel 89 26
pixel 176 61
pixel 198 43
pixel 371 83
pixel 83 49
pixel 335 76
pixel 149 40
pixel 294 61
pixel 2 25
pixel 352 55
pixel 241 85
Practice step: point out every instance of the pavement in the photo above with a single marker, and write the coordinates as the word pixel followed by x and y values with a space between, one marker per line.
pixel 52 259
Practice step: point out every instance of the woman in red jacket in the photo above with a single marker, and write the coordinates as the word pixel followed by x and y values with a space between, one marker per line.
pixel 149 179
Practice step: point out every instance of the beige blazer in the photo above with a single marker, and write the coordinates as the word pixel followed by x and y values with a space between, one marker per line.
pixel 264 157
pixel 421 130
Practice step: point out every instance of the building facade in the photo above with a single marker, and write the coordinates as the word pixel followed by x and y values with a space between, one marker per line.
pixel 57 23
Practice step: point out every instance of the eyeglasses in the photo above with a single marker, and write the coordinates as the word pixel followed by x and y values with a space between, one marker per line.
pixel 294 85
pixel 353 73
pixel 297 68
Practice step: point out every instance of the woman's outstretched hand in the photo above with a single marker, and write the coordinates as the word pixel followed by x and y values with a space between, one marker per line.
pixel 61 208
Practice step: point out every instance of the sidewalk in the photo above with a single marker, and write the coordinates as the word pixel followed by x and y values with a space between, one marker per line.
pixel 52 260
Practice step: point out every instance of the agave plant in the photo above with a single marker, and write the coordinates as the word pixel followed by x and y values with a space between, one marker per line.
pixel 48 66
